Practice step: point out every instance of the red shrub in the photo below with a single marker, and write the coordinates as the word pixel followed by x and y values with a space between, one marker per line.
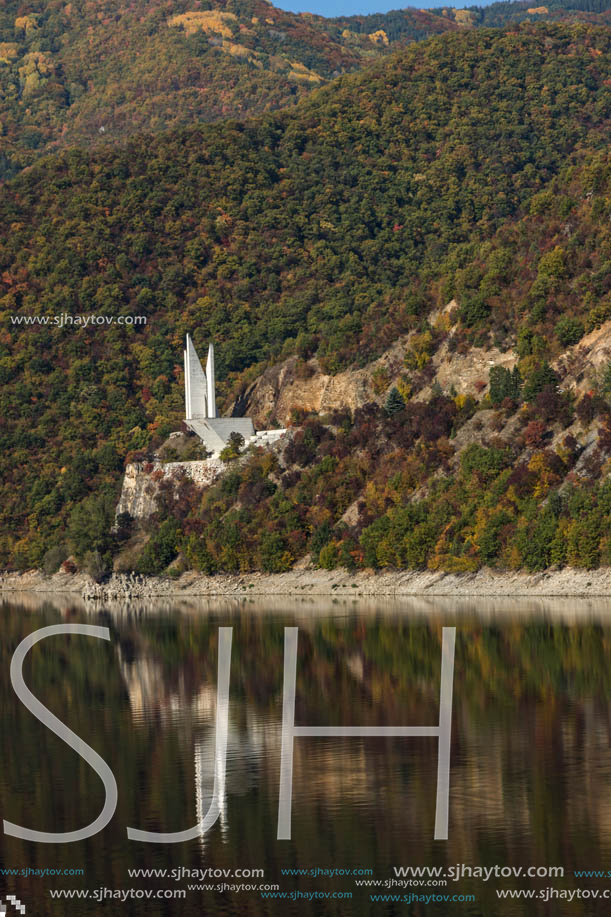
pixel 534 433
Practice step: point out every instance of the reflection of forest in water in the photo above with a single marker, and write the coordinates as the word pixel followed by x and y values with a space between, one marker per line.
pixel 530 763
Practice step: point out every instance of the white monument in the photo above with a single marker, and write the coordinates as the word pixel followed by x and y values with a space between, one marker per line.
pixel 200 407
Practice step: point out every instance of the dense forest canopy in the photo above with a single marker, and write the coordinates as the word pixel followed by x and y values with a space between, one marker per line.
pixel 473 165
pixel 98 71
pixel 94 72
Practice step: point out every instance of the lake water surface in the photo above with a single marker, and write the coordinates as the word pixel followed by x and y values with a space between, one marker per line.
pixel 530 766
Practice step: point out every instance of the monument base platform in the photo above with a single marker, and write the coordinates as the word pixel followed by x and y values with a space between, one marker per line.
pixel 215 431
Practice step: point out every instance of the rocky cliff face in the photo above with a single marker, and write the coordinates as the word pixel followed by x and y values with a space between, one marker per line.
pixel 296 384
pixel 142 480
pixel 299 385
pixel 579 364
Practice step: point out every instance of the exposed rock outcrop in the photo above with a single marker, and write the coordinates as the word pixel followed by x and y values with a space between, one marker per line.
pixel 467 373
pixel 142 480
pixel 296 384
pixel 580 363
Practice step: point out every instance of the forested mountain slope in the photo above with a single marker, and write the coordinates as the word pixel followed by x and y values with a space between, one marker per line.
pixel 94 72
pixel 473 166
pixel 98 71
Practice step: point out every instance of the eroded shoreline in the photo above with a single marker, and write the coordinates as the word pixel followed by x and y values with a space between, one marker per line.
pixel 566 582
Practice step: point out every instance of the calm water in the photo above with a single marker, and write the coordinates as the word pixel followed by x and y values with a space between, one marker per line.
pixel 530 777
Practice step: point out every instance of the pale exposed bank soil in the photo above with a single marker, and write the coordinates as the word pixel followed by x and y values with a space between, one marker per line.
pixel 559 583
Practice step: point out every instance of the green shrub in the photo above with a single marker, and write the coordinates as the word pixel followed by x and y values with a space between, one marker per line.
pixel 569 330
pixel 474 309
pixel 504 383
pixel 329 556
pixel 487 463
pixel 161 549
pixel 539 379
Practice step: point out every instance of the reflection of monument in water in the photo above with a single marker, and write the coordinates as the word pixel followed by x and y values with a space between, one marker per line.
pixel 338 772
pixel 200 407
pixel 251 746
pixel 487 785
pixel 252 740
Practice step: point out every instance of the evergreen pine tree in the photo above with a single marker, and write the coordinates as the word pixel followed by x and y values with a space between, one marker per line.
pixel 394 402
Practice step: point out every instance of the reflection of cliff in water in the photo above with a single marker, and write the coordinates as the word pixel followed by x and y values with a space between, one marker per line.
pixel 535 751
pixel 301 608
pixel 151 693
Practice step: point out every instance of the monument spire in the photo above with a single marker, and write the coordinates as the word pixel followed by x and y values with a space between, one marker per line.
pixel 200 408
pixel 195 383
pixel 211 382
